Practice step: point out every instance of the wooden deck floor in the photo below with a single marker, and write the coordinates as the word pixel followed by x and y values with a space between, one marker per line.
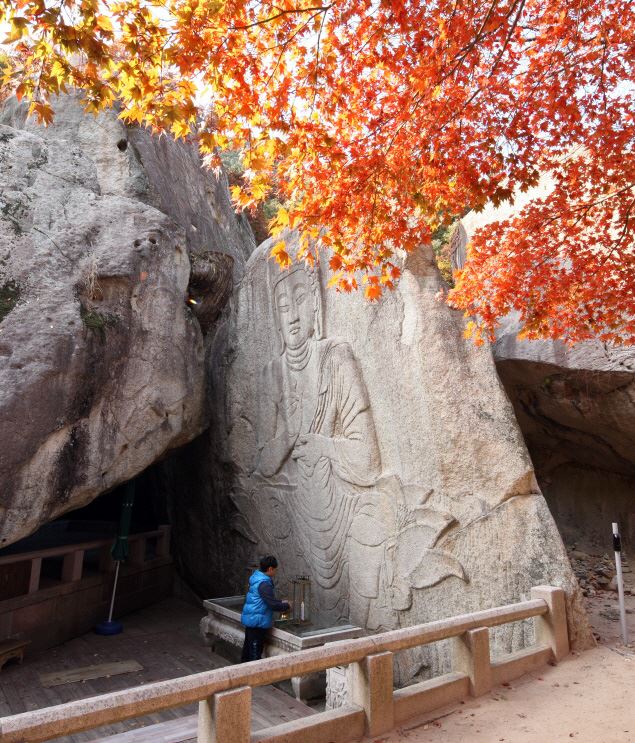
pixel 165 641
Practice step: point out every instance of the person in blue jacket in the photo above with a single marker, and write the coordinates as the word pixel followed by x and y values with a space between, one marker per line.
pixel 260 604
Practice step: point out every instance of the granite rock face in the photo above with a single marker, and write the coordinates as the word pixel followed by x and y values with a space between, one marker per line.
pixel 101 360
pixel 374 449
pixel 576 409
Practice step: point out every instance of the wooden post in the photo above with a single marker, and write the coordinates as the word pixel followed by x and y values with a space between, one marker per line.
pixel 137 554
pixel 34 578
pixel 471 656
pixel 106 563
pixel 163 541
pixel 371 687
pixel 225 717
pixel 73 566
pixel 551 628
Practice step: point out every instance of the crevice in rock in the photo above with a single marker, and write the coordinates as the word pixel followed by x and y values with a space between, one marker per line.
pixel 9 298
pixel 210 286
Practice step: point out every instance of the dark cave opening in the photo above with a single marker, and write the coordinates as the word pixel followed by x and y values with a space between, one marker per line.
pixel 99 519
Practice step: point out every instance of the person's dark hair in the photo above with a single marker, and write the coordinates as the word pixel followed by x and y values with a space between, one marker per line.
pixel 266 562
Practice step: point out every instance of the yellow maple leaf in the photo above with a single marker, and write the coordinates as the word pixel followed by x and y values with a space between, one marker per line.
pixel 104 23
pixel 278 248
pixel 334 280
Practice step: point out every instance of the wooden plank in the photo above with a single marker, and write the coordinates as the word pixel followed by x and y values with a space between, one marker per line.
pixel 164 638
pixel 14 700
pixel 173 731
pixel 7 645
pixel 270 706
pixel 34 574
pixel 102 670
pixel 273 707
pixel 5 707
pixel 73 566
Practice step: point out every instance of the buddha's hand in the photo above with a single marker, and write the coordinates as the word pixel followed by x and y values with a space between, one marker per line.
pixel 311 447
pixel 293 415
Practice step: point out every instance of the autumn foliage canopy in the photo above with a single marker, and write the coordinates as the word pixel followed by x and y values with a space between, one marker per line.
pixel 380 121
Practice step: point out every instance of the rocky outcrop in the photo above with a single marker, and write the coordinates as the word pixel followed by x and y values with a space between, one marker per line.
pixel 576 409
pixel 367 445
pixel 371 447
pixel 101 357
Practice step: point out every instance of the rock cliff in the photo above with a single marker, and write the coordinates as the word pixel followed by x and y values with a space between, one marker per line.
pixel 105 232
pixel 576 409
pixel 371 447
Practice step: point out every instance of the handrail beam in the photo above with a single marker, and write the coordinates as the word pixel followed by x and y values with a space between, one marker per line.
pixel 67 548
pixel 84 714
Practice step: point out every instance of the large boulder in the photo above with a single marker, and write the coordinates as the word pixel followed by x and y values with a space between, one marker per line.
pixel 373 448
pixel 576 409
pixel 101 361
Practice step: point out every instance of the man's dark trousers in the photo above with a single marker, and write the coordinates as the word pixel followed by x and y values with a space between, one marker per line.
pixel 254 643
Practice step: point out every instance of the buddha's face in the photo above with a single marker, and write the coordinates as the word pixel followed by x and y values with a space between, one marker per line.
pixel 294 307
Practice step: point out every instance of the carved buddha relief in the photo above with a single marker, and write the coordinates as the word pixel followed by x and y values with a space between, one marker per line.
pixel 317 496
pixel 316 431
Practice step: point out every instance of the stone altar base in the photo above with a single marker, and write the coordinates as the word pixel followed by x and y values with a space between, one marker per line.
pixel 224 634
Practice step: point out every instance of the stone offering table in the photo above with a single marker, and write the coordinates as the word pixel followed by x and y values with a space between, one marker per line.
pixel 222 630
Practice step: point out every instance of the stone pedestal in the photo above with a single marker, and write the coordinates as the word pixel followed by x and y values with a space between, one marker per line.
pixel 224 633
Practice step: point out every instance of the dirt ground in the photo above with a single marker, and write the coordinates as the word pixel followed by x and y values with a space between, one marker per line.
pixel 588 698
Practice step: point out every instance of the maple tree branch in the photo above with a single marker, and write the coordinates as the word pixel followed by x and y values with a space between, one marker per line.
pixel 418 98
pixel 585 208
pixel 458 60
pixel 317 59
pixel 625 228
pixel 494 67
pixel 508 38
pixel 478 38
pixel 319 8
pixel 283 47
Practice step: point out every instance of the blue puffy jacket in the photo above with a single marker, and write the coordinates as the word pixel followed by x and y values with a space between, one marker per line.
pixel 256 611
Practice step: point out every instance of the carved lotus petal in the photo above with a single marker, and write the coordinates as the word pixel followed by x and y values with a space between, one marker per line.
pixel 435 566
pixel 420 565
pixel 401 595
pixel 240 524
pixel 436 520
pixel 416 494
pixel 411 544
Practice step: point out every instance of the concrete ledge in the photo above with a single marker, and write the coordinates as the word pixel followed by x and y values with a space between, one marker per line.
pixel 332 726
pixel 517 664
pixel 421 698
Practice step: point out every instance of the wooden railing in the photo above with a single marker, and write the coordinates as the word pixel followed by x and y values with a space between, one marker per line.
pixel 73 556
pixel 374 707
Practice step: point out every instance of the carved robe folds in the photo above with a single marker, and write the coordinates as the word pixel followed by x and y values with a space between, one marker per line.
pixel 326 398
